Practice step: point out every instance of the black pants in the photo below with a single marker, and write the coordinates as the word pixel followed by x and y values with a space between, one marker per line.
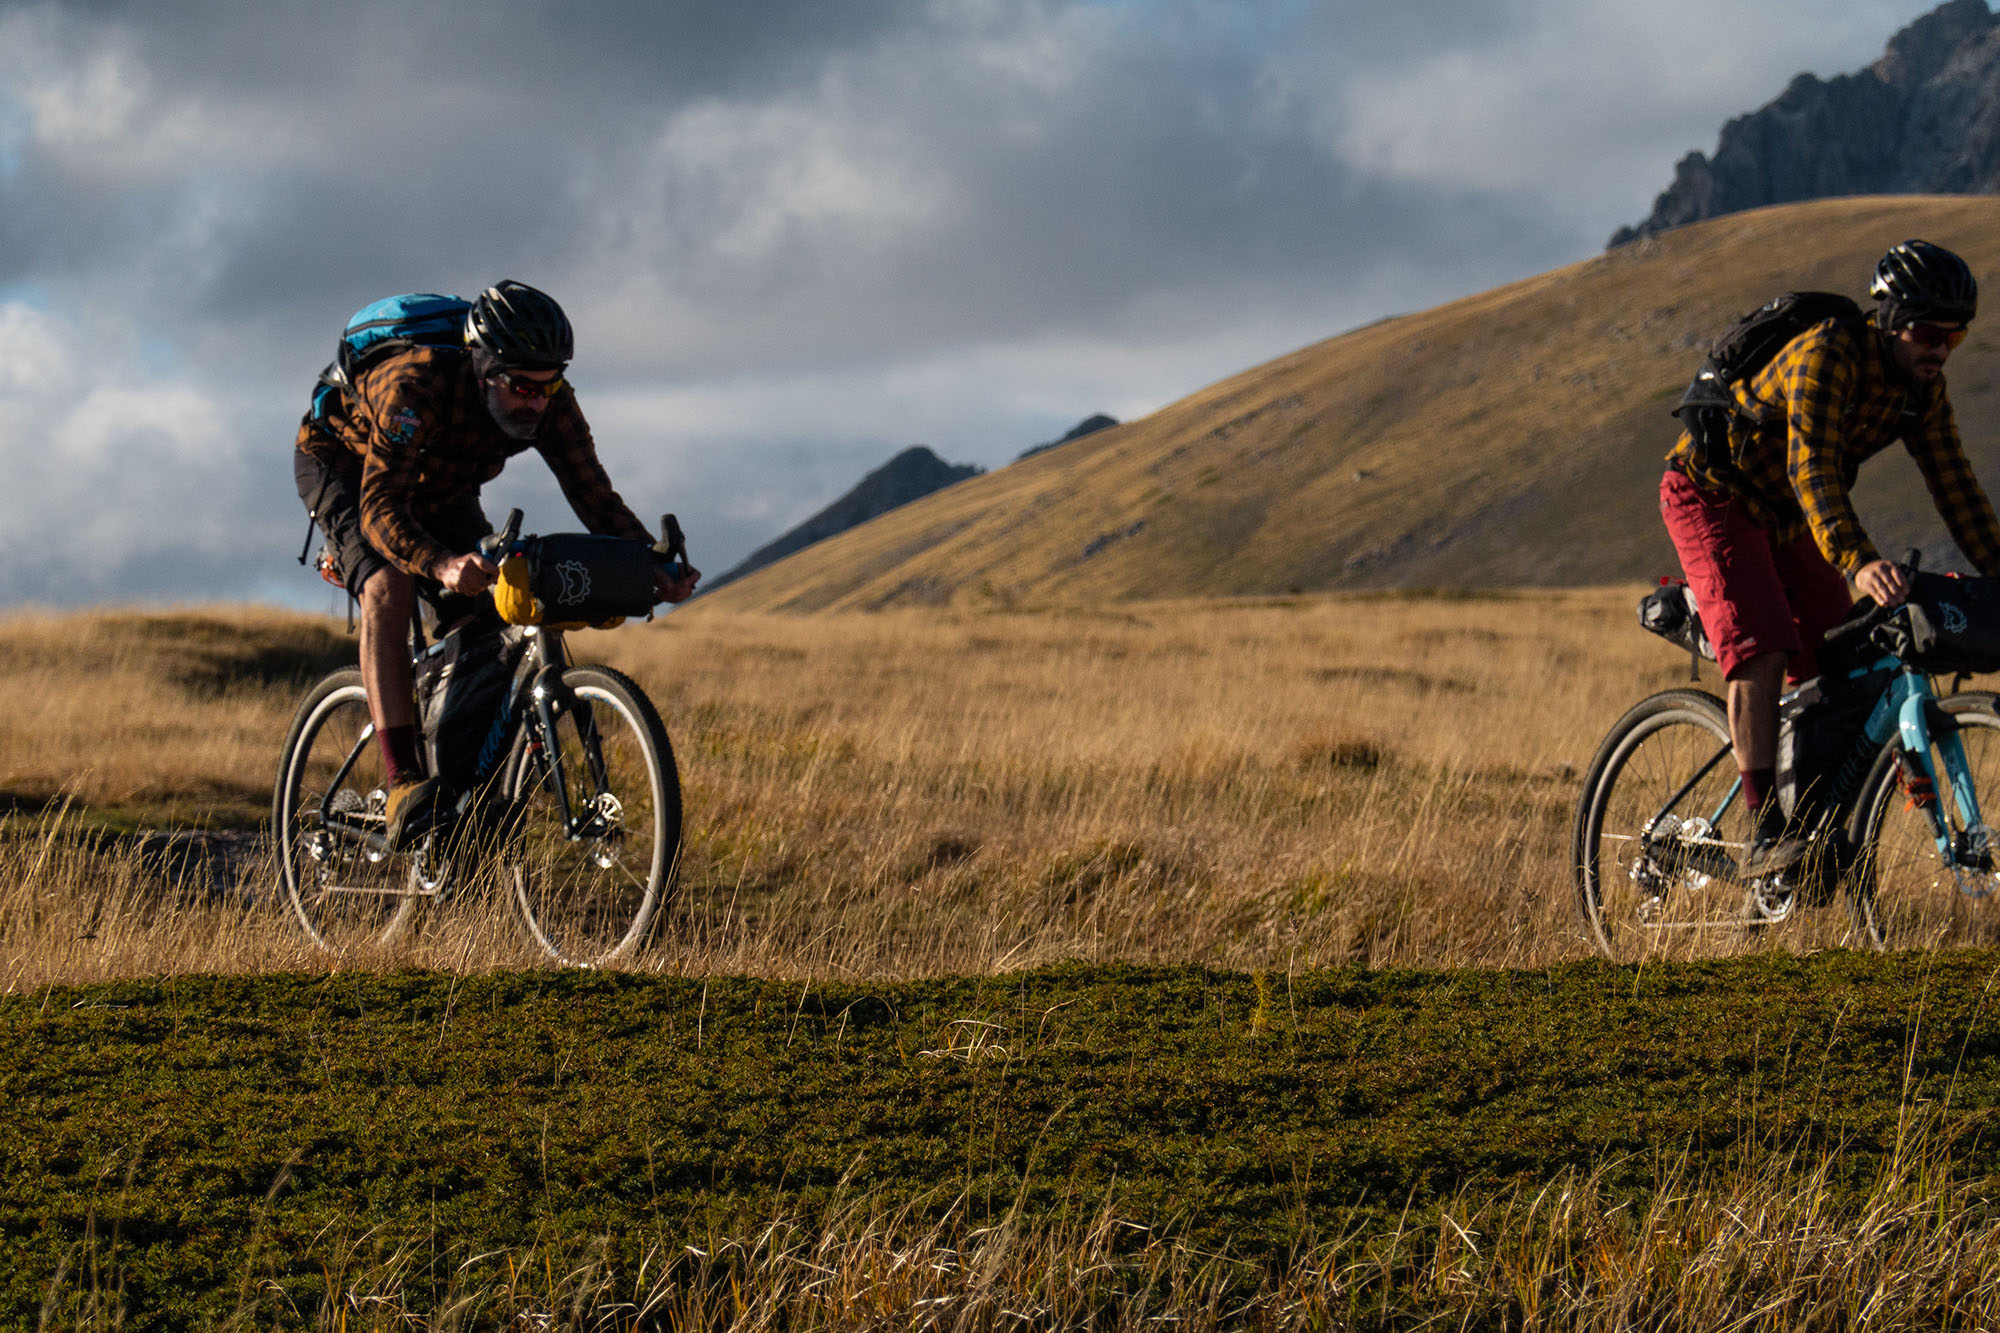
pixel 333 497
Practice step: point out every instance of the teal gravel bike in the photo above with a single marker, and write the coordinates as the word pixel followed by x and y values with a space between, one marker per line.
pixel 1900 808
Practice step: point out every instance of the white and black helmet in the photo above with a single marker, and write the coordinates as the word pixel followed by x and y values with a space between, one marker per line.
pixel 1920 281
pixel 520 327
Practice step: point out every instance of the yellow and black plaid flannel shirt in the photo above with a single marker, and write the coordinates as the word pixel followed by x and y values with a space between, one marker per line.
pixel 1829 401
pixel 416 425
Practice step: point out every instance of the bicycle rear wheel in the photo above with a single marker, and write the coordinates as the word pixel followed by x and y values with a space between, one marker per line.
pixel 343 888
pixel 1900 893
pixel 589 894
pixel 1658 829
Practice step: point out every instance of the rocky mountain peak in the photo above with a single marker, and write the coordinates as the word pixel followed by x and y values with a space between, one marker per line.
pixel 1929 43
pixel 910 475
pixel 1924 119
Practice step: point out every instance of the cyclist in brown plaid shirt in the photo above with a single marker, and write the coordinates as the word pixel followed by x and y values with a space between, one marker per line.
pixel 392 474
pixel 1766 533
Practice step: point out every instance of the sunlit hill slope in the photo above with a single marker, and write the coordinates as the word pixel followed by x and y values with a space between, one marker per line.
pixel 1511 438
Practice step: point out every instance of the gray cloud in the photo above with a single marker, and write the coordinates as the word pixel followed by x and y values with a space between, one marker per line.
pixel 794 236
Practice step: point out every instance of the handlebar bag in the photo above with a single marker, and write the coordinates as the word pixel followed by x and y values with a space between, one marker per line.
pixel 1952 625
pixel 569 580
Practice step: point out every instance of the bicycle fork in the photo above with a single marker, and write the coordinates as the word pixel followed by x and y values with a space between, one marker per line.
pixel 552 698
pixel 1968 851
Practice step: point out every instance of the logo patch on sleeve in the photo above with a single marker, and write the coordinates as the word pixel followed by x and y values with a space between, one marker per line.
pixel 404 425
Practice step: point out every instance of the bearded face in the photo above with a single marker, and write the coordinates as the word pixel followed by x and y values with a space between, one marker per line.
pixel 518 420
pixel 518 398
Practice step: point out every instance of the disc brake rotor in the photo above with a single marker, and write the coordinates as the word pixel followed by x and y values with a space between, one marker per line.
pixel 1973 853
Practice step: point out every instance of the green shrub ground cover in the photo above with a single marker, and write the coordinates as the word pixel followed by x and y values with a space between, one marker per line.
pixel 178 1142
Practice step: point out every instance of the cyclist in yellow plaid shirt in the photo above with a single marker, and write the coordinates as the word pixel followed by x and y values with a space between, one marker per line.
pixel 1765 528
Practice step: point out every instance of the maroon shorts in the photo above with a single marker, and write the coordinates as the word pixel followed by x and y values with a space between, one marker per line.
pixel 1755 595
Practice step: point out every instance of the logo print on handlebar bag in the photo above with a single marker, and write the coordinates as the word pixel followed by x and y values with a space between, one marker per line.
pixel 575 576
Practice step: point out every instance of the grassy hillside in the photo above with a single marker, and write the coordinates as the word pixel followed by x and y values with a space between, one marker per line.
pixel 1782 1142
pixel 1513 438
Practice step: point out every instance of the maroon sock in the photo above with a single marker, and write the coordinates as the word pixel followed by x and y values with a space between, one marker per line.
pixel 399 754
pixel 1757 785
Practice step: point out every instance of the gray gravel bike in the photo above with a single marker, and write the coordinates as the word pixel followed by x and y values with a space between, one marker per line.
pixel 576 815
pixel 1902 834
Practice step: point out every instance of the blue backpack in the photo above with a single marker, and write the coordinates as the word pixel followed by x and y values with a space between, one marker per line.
pixel 414 319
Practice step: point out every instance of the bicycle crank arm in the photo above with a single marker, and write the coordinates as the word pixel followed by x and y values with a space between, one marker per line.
pixel 366 832
pixel 368 891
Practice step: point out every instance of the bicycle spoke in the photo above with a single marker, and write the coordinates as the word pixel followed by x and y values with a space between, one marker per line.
pixel 1903 893
pixel 1658 832
pixel 327 813
pixel 607 768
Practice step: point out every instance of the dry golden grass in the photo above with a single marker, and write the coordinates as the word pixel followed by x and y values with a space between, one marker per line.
pixel 154 718
pixel 1343 779
pixel 1312 781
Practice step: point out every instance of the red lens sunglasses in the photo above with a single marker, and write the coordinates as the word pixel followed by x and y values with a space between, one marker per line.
pixel 1935 335
pixel 527 388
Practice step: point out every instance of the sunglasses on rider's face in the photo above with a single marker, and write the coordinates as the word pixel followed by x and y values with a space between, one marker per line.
pixel 522 387
pixel 1946 336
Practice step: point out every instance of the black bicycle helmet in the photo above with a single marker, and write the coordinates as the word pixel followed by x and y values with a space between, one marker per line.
pixel 1921 281
pixel 520 328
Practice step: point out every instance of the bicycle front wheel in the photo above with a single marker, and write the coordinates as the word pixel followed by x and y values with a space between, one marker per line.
pixel 1901 893
pixel 1658 829
pixel 597 809
pixel 327 817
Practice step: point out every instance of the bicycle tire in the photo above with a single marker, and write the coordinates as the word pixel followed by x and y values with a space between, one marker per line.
pixel 1664 768
pixel 1899 892
pixel 345 893
pixel 593 900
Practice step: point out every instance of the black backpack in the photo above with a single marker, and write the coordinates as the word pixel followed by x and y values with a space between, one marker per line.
pixel 1745 348
pixel 1752 342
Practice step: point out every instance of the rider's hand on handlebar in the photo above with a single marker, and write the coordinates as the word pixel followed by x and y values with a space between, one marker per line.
pixel 667 588
pixel 1885 581
pixel 469 574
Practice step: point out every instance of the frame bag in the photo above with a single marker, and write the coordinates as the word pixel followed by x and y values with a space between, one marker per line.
pixel 464 684
pixel 1821 758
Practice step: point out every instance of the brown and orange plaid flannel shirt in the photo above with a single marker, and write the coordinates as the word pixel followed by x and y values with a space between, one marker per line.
pixel 1829 401
pixel 416 426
